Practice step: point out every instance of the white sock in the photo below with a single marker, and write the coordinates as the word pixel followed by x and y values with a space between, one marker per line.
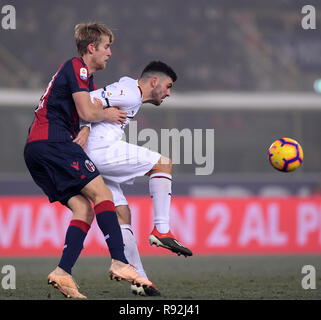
pixel 131 250
pixel 160 189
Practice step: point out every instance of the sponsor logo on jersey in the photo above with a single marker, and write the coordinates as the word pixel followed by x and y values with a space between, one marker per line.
pixel 90 166
pixel 122 93
pixel 83 73
pixel 106 94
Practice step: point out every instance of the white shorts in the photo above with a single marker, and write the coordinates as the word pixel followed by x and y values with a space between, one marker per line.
pixel 120 163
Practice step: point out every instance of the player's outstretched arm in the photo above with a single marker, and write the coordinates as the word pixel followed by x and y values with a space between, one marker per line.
pixel 89 112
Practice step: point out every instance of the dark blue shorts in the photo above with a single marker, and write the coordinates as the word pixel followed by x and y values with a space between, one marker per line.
pixel 60 169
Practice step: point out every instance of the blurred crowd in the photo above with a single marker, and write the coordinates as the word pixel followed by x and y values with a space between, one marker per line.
pixel 213 45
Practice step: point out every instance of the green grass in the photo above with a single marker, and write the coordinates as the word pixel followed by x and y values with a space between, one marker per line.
pixel 202 278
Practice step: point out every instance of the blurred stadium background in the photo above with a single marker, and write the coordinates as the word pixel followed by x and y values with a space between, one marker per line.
pixel 255 49
pixel 245 68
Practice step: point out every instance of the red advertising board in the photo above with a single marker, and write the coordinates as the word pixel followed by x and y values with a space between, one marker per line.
pixel 31 226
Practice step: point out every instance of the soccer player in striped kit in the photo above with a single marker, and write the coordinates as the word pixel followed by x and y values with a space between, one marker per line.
pixel 61 167
pixel 121 162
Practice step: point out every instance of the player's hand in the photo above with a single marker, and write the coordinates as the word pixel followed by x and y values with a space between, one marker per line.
pixel 113 114
pixel 82 137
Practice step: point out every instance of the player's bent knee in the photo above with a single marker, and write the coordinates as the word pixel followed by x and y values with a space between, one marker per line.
pixel 165 161
pixel 169 163
pixel 164 164
pixel 97 191
pixel 103 194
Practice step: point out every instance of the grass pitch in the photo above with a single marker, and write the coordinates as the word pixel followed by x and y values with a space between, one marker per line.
pixel 202 278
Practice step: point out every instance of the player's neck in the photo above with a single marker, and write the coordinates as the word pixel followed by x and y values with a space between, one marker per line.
pixel 89 64
pixel 144 91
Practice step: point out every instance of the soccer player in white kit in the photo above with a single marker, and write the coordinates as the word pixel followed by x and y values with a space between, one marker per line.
pixel 121 162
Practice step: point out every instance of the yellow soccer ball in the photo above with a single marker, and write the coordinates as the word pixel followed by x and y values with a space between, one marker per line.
pixel 285 154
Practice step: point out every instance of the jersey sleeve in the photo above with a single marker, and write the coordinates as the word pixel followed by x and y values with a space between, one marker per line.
pixel 115 95
pixel 77 76
pixel 99 94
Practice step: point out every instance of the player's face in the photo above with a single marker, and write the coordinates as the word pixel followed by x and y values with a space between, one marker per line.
pixel 161 90
pixel 102 53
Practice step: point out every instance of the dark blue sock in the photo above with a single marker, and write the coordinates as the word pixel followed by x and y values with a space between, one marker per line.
pixel 75 236
pixel 108 223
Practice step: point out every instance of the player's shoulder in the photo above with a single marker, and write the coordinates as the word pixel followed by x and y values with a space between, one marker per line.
pixel 127 80
pixel 76 61
pixel 77 64
pixel 124 92
pixel 124 85
pixel 128 86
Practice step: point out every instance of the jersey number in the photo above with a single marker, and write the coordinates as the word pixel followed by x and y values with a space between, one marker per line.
pixel 42 99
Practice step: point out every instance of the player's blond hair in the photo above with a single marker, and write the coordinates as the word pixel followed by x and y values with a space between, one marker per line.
pixel 86 33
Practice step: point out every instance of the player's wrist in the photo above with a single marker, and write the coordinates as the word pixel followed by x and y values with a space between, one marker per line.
pixel 86 126
pixel 108 115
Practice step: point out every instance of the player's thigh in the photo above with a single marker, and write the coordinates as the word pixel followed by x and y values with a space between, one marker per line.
pixel 81 209
pixel 123 161
pixel 61 169
pixel 36 155
pixel 97 191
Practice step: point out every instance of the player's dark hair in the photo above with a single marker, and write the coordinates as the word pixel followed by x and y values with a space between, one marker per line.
pixel 159 67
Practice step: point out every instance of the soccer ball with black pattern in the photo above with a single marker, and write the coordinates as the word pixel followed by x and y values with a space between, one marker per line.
pixel 286 154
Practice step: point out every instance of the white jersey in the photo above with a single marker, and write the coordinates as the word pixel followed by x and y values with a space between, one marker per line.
pixel 124 94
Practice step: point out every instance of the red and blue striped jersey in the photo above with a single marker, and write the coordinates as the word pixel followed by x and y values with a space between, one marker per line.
pixel 56 117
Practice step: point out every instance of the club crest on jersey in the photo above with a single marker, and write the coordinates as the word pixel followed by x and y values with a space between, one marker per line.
pixel 90 166
pixel 83 73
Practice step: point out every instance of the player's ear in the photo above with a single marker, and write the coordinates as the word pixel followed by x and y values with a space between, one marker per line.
pixel 154 81
pixel 91 48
